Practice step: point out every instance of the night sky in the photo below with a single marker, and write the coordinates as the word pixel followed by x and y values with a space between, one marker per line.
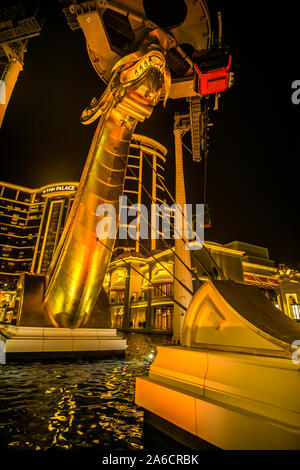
pixel 253 175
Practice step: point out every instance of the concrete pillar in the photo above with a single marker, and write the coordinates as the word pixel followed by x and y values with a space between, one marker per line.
pixel 11 76
pixel 180 271
pixel 127 309
pixel 149 300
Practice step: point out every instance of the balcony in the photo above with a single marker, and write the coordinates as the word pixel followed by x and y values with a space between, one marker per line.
pixel 139 296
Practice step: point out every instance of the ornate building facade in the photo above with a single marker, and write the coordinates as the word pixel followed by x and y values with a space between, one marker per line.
pixel 139 282
pixel 143 184
pixel 140 288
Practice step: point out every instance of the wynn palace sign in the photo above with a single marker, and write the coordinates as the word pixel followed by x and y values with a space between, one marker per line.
pixel 59 188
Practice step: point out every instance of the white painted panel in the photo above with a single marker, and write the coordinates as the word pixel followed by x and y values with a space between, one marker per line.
pixel 24 331
pixel 86 345
pixel 168 403
pixel 112 344
pixel 24 345
pixel 84 333
pixel 232 430
pixel 2 351
pixel 57 332
pixel 106 332
pixel 57 345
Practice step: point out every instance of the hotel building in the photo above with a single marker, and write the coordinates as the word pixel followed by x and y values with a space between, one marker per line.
pixel 31 223
pixel 144 183
pixel 140 288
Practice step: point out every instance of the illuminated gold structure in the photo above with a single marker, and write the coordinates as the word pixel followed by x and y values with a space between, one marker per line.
pixel 69 291
pixel 234 381
pixel 135 82
pixel 113 28
pixel 78 268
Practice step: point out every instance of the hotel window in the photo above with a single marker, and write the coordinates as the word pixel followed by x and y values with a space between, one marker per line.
pixel 144 295
pixel 270 294
pixel 161 290
pixel 120 296
pixel 163 318
pixel 138 318
pixel 9 193
pixel 293 306
pixel 24 197
pixel 117 296
pixel 7 249
pixel 117 317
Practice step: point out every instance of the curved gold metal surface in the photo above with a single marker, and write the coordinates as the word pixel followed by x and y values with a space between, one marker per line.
pixel 77 271
pixel 195 30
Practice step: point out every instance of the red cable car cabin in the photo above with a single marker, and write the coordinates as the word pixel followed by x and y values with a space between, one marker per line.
pixel 211 71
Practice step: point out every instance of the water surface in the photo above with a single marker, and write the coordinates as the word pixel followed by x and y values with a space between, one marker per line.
pixel 76 404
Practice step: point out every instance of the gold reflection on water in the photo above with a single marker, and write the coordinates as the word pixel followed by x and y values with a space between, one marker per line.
pixel 61 422
pixel 80 404
pixel 116 382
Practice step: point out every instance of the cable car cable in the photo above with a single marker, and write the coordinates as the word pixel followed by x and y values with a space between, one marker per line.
pixel 166 244
pixel 173 200
pixel 140 274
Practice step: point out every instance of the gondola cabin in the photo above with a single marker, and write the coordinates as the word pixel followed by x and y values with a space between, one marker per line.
pixel 211 71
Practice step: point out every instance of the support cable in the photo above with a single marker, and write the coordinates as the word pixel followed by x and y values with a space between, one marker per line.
pixel 169 194
pixel 166 244
pixel 205 180
pixel 159 262
pixel 148 280
pixel 172 250
pixel 173 227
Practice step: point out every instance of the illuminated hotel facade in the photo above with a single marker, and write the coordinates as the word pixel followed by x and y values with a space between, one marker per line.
pixel 144 184
pixel 31 223
pixel 139 287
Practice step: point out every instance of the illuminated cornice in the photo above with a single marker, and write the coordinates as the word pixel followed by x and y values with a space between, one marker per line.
pixel 222 249
pixel 123 261
pixel 151 143
pixel 211 246
pixel 158 301
pixel 258 266
pixel 159 255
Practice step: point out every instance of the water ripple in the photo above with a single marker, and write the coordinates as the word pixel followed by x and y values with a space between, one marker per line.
pixel 84 403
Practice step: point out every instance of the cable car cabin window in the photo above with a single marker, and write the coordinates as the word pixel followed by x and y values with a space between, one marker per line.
pixel 118 29
pixel 213 59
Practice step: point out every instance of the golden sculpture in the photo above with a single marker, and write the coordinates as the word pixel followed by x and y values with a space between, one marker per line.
pixel 76 274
